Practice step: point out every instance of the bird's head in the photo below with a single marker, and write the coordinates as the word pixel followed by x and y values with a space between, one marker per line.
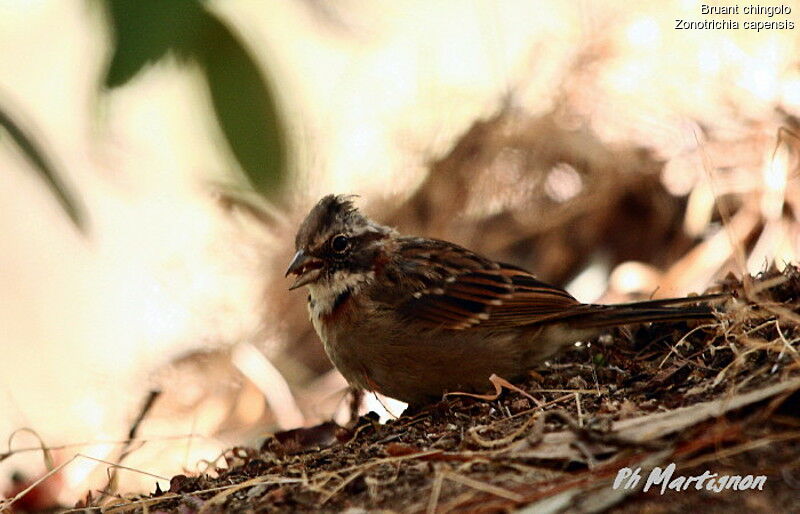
pixel 336 245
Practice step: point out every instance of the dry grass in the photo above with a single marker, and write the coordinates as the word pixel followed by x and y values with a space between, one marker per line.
pixel 719 396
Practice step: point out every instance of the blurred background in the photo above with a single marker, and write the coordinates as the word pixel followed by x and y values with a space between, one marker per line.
pixel 156 159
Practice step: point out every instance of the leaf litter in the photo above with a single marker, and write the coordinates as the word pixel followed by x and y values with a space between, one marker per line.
pixel 719 395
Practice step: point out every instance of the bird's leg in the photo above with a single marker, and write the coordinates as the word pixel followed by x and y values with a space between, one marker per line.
pixel 356 398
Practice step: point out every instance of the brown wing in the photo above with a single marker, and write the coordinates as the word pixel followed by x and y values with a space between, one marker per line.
pixel 532 301
pixel 454 288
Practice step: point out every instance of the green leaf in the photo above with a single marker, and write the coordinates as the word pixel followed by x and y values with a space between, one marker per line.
pixel 599 360
pixel 145 30
pixel 46 170
pixel 244 106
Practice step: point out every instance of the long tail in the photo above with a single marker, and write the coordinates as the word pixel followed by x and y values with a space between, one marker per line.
pixel 670 309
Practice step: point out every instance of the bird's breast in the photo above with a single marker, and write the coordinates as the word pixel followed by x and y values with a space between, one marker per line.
pixel 340 328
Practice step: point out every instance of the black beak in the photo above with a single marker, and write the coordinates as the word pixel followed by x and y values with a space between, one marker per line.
pixel 298 261
pixel 307 268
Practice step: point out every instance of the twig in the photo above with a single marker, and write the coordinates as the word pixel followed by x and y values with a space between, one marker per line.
pixel 744 447
pixel 499 383
pixel 578 407
pixel 132 433
pixel 6 504
pixel 339 487
pixel 484 487
pixel 472 433
pixel 436 490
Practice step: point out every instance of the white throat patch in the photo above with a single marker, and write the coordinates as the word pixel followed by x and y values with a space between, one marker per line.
pixel 325 293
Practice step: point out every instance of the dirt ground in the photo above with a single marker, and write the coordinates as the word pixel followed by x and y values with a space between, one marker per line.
pixel 719 396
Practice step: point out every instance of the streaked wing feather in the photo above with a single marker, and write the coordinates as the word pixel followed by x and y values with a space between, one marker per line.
pixel 458 289
pixel 532 301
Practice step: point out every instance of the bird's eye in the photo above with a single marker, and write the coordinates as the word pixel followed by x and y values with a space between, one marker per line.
pixel 340 243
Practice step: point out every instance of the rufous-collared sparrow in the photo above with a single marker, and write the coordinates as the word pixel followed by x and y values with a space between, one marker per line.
pixel 413 318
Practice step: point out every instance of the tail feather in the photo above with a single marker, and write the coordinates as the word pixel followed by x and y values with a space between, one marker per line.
pixel 670 309
pixel 674 302
pixel 603 318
